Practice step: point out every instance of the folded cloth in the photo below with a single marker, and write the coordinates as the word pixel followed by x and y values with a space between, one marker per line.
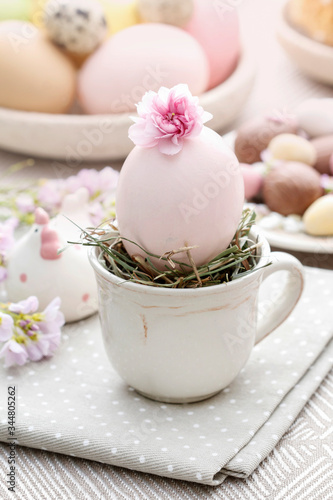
pixel 77 405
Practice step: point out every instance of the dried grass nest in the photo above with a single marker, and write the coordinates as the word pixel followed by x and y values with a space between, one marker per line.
pixel 238 260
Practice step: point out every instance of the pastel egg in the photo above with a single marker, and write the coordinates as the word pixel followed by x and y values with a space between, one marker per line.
pixel 78 26
pixel 35 75
pixel 318 219
pixel 216 27
pixel 120 14
pixel 254 135
pixel 141 58
pixel 291 188
pixel 166 202
pixel 253 180
pixel 15 9
pixel 166 11
pixel 316 116
pixel 292 147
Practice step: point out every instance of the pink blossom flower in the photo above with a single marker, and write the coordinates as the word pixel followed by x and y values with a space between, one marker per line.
pixel 14 353
pixel 25 203
pixel 96 213
pixel 97 183
pixel 7 240
pixel 30 334
pixel 100 185
pixel 28 306
pixel 167 118
pixel 50 193
pixel 52 318
pixel 3 273
pixel 6 327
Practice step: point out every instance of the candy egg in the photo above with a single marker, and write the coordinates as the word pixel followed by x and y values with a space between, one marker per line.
pixel 315 116
pixel 78 26
pixel 291 188
pixel 140 58
pixel 324 149
pixel 253 180
pixel 194 197
pixel 35 75
pixel 166 11
pixel 216 27
pixel 292 147
pixel 318 219
pixel 254 135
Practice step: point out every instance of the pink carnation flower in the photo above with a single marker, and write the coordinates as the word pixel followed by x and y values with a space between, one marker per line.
pixel 167 118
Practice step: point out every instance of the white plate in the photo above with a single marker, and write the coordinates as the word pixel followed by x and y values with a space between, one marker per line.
pixel 299 242
pixel 105 137
pixel 312 57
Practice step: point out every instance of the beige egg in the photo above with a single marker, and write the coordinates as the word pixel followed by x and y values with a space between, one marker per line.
pixel 291 147
pixel 318 219
pixel 35 75
pixel 173 12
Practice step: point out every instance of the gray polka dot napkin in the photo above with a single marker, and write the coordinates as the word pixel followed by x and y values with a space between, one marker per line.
pixel 77 405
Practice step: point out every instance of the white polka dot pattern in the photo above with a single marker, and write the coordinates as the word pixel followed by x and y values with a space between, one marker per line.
pixel 77 405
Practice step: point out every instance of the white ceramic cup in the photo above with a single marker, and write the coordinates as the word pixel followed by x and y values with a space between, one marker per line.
pixel 185 345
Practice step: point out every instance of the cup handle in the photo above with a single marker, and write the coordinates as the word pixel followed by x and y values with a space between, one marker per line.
pixel 282 306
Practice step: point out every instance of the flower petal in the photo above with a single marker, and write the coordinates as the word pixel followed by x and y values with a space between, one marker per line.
pixel 168 147
pixel 30 305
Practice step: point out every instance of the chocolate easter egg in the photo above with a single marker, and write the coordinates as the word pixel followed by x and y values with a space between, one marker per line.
pixel 324 149
pixel 318 219
pixel 254 135
pixel 291 188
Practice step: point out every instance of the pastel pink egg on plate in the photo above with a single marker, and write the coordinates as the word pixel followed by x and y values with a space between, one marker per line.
pixel 192 198
pixel 216 27
pixel 141 58
pixel 253 180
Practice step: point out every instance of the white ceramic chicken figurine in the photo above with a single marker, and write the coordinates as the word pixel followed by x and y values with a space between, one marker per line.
pixel 36 268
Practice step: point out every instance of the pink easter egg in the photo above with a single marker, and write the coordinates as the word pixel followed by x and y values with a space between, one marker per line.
pixel 216 27
pixel 253 181
pixel 194 197
pixel 141 58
